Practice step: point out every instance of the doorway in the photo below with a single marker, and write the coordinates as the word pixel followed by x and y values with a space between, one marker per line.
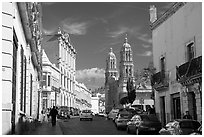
pixel 192 105
pixel 162 110
pixel 176 108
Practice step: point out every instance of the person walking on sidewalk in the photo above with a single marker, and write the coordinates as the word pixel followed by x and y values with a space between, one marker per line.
pixel 53 114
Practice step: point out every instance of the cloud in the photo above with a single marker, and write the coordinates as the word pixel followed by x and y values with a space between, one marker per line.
pixel 48 32
pixel 146 45
pixel 100 19
pixel 72 26
pixel 146 53
pixel 118 32
pixel 122 30
pixel 90 73
pixel 48 3
pixel 145 38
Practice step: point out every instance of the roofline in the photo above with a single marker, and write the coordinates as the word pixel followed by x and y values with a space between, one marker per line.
pixel 174 8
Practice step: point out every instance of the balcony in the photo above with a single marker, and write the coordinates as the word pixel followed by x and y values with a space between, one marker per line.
pixel 160 81
pixel 190 72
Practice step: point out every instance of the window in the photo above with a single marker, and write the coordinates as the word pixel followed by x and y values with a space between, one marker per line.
pixel 44 80
pixel 31 93
pixel 22 79
pixel 162 61
pixel 190 51
pixel 15 48
pixel 48 80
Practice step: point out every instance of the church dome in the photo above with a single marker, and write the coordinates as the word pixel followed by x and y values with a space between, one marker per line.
pixel 111 54
pixel 126 44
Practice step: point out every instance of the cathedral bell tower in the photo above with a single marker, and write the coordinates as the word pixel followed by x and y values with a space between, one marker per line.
pixel 111 79
pixel 126 67
pixel 111 68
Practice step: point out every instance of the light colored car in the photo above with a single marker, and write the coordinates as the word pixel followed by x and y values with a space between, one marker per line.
pixel 86 114
pixel 144 123
pixel 112 114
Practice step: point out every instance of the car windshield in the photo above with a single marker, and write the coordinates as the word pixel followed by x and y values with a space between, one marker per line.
pixel 125 115
pixel 86 111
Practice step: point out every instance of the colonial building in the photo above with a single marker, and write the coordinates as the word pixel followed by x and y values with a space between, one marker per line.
pixel 95 104
pixel 50 83
pixel 143 98
pixel 82 97
pixel 21 64
pixel 64 57
pixel 177 56
pixel 115 85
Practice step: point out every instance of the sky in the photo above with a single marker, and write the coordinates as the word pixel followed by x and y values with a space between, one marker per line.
pixel 95 27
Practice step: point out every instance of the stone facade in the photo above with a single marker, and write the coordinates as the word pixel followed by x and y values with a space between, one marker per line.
pixel 63 54
pixel 177 44
pixel 50 83
pixel 21 64
pixel 82 97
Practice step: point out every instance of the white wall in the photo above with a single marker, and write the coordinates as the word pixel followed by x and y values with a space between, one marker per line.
pixel 95 104
pixel 170 39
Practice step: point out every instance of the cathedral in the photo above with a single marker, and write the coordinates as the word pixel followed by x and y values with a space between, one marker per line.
pixel 116 82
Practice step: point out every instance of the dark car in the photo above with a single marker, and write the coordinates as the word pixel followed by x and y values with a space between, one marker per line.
pixel 198 131
pixel 148 123
pixel 122 119
pixel 180 127
pixel 64 112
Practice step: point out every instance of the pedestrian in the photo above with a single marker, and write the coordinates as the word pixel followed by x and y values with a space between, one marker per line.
pixel 42 115
pixel 53 114
pixel 48 114
pixel 187 115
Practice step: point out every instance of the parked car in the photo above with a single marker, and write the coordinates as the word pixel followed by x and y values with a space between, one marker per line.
pixel 122 119
pixel 64 112
pixel 198 131
pixel 180 127
pixel 148 123
pixel 101 114
pixel 112 114
pixel 86 114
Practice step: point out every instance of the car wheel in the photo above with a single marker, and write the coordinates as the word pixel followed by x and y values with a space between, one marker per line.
pixel 118 128
pixel 91 119
pixel 80 119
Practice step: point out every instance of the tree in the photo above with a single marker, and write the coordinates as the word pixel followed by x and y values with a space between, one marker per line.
pixel 131 91
pixel 124 100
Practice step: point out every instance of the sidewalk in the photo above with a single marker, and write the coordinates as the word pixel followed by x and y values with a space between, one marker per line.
pixel 46 128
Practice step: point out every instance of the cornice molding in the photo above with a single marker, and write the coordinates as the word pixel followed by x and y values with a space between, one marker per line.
pixel 174 8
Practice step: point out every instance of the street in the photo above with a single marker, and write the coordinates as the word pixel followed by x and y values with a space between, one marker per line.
pixel 99 126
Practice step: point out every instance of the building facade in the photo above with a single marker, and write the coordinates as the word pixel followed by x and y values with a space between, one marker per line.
pixel 82 97
pixel 143 98
pixel 21 64
pixel 177 57
pixel 50 83
pixel 95 105
pixel 63 54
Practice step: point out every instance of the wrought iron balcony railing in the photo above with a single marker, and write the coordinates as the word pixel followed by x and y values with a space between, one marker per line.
pixel 189 69
pixel 160 80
